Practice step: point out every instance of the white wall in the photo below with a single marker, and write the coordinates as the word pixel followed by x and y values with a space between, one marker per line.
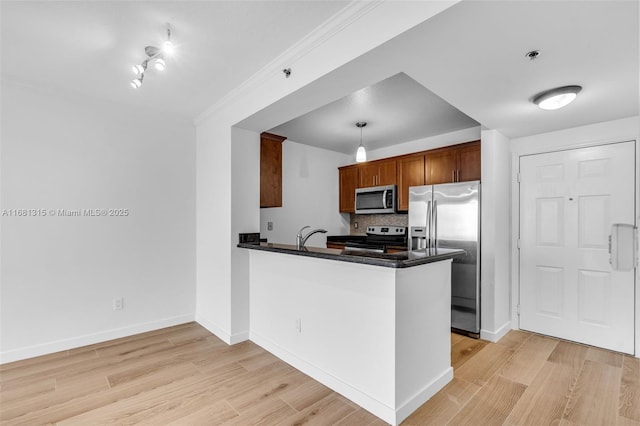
pixel 309 195
pixel 245 155
pixel 495 291
pixel 576 137
pixel 213 219
pixel 60 274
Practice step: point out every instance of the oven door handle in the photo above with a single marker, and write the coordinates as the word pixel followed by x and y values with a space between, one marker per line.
pixel 363 249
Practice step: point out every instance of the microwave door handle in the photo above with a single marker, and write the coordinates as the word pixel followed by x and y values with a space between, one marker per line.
pixel 384 199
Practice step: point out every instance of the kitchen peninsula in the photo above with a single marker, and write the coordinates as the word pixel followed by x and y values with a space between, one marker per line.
pixel 373 327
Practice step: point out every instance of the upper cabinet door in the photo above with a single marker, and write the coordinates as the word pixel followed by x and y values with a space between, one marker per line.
pixel 387 172
pixel 458 163
pixel 410 173
pixel 271 170
pixel 469 162
pixel 348 184
pixel 377 173
pixel 441 166
pixel 368 175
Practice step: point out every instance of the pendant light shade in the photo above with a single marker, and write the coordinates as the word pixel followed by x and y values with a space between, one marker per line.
pixel 361 154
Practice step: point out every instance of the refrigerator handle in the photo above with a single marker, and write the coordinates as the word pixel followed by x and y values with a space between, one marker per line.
pixel 428 236
pixel 435 223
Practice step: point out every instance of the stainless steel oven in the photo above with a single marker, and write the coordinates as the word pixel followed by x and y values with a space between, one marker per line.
pixel 380 239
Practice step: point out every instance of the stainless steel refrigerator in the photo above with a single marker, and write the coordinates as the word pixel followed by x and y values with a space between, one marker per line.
pixel 448 216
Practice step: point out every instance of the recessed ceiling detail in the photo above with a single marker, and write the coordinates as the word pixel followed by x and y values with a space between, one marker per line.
pixel 398 109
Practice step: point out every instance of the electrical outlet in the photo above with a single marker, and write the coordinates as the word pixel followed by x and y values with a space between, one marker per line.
pixel 269 226
pixel 118 303
pixel 355 225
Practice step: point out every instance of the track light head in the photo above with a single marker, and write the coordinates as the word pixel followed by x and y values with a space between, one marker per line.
pixel 140 69
pixel 137 82
pixel 159 63
pixel 168 48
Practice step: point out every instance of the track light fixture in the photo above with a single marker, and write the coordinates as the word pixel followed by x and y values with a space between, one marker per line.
pixel 155 56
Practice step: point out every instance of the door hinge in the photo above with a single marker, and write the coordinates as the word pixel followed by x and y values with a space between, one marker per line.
pixel 518 243
pixel 518 177
pixel 518 309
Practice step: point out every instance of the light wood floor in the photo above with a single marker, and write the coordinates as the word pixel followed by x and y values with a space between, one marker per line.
pixel 185 376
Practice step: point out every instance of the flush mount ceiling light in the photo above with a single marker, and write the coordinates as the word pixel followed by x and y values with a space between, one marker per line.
pixel 155 56
pixel 361 154
pixel 556 98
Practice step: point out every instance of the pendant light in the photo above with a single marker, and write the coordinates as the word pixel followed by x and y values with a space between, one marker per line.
pixel 361 154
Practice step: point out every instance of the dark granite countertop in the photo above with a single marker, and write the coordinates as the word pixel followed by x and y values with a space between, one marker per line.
pixel 405 259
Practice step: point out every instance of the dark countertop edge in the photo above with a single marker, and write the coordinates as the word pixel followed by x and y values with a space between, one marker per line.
pixel 335 254
pixel 345 238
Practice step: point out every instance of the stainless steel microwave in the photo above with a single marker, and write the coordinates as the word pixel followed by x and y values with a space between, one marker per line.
pixel 376 200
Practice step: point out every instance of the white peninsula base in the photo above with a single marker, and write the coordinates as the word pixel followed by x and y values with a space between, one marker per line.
pixel 379 336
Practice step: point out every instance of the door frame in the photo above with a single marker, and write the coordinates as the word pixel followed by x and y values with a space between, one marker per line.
pixel 569 142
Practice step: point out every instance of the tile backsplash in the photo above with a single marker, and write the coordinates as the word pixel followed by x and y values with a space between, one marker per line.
pixel 364 220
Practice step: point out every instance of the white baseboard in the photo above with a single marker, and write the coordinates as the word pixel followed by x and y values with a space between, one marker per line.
pixel 423 396
pixel 225 336
pixel 90 339
pixel 239 337
pixel 377 408
pixel 494 336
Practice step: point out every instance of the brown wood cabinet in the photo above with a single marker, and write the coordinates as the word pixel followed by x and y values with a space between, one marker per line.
pixel 410 173
pixel 457 163
pixel 339 246
pixel 377 173
pixel 271 170
pixel 348 183
pixel 469 160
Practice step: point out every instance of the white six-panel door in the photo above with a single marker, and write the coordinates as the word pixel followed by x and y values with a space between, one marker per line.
pixel 568 201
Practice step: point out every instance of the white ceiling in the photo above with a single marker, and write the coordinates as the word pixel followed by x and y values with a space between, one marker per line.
pixel 472 56
pixel 89 47
pixel 397 109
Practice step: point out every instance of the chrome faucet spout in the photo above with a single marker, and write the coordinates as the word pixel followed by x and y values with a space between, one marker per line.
pixel 301 240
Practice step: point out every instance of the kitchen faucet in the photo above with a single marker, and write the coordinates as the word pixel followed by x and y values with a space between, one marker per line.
pixel 300 240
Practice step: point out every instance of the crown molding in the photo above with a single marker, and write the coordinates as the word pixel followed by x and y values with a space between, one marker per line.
pixel 320 35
